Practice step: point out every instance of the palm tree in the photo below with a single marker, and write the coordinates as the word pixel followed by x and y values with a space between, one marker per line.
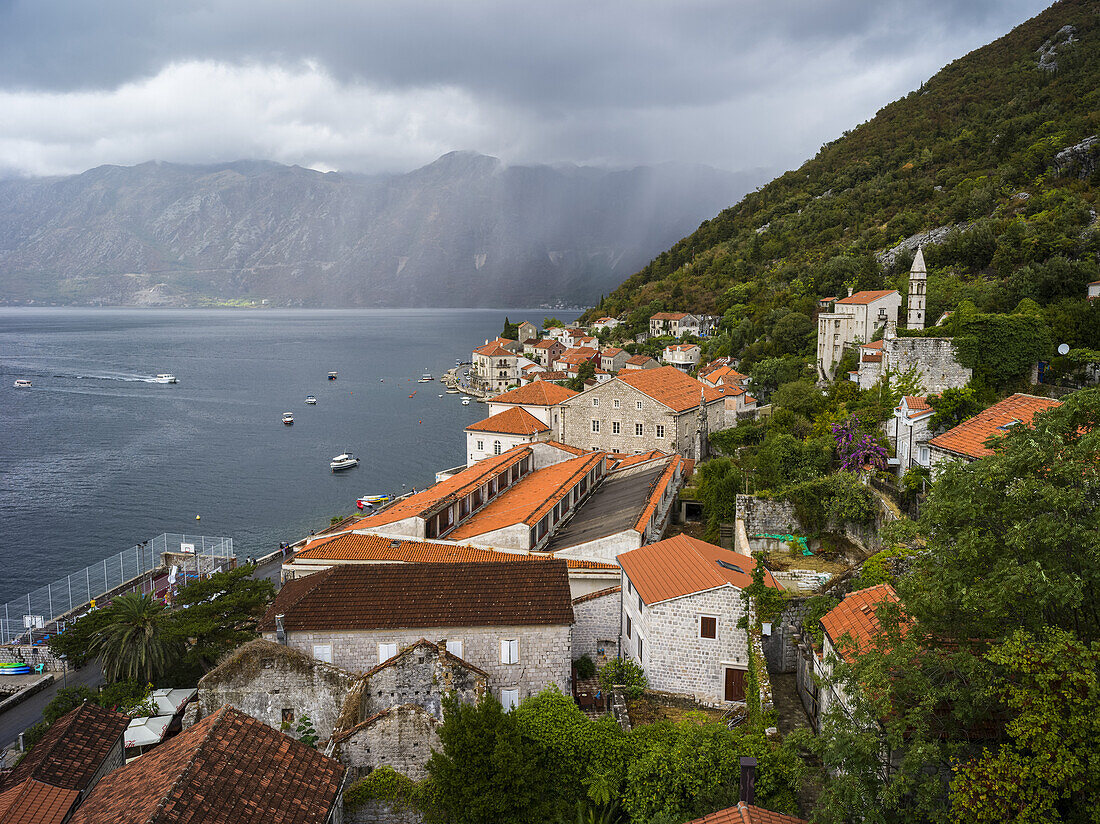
pixel 137 643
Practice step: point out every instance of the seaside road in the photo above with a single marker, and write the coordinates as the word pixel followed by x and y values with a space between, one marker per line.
pixel 23 715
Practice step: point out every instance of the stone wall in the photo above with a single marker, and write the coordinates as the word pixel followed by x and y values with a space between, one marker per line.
pixel 674 657
pixel 780 650
pixel 401 737
pixel 544 651
pixel 380 812
pixel 32 655
pixel 596 625
pixel 421 675
pixel 272 683
pixel 934 359
pixel 765 516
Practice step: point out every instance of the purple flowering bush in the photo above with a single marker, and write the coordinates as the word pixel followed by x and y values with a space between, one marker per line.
pixel 855 448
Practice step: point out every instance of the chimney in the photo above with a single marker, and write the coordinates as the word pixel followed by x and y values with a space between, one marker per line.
pixel 748 780
pixel 280 634
pixel 849 291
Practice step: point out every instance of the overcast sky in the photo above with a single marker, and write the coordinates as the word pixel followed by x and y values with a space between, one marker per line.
pixel 370 86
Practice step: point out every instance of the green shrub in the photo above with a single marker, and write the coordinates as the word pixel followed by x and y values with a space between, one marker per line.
pixel 625 673
pixel 383 784
pixel 586 667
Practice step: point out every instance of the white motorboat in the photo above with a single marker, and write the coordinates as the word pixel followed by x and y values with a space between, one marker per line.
pixel 425 378
pixel 345 460
pixel 466 402
pixel 310 399
pixel 332 376
pixel 452 391
pixel 288 418
pixel 22 384
pixel 166 378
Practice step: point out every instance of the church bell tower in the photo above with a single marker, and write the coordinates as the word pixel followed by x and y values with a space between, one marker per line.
pixel 918 283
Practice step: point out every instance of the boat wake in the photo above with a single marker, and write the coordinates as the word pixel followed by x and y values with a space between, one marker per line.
pixel 112 377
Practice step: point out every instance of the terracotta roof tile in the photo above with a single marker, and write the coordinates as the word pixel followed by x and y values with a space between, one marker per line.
pixel 863 298
pixel 610 351
pixel 657 493
pixel 874 345
pixel 969 437
pixel 354 546
pixel 531 497
pixel 73 748
pixel 405 596
pixel 669 316
pixel 855 617
pixel 683 565
pixel 639 360
pixel 576 450
pixel 747 814
pixel 548 377
pixel 452 489
pixel 625 461
pixel 539 393
pixel 916 406
pixel 547 344
pixel 32 802
pixel 671 387
pixel 494 350
pixel 514 421
pixel 226 769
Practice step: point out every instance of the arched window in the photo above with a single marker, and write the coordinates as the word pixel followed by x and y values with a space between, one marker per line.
pixel 496 447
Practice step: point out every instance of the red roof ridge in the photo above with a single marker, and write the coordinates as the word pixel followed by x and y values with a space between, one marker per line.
pixel 600 593
pixel 513 421
pixel 657 493
pixel 863 298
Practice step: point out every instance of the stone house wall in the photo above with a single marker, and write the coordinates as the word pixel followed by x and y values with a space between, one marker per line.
pixel 115 758
pixel 420 674
pixel 401 737
pixel 544 651
pixel 674 657
pixel 780 650
pixel 934 359
pixel 763 516
pixel 269 682
pixel 596 624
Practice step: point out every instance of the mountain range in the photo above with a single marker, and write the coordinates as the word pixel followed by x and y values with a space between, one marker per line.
pixel 466 230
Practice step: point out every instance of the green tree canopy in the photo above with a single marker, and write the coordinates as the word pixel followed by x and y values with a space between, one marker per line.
pixel 137 642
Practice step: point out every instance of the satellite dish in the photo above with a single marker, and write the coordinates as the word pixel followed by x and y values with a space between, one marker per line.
pixel 1063 348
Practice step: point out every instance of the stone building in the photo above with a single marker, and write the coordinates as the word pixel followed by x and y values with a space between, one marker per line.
pixel 525 331
pixel 493 369
pixel 596 624
pixel 854 319
pixel 932 359
pixel 612 359
pixel 681 603
pixel 277 685
pixel 966 441
pixel 401 737
pixel 918 291
pixel 639 411
pixel 684 356
pixel 640 362
pixel 909 432
pixel 676 324
pixel 512 619
pixel 542 399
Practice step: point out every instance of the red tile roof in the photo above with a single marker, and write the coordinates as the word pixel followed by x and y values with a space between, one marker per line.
pixel 747 814
pixel 682 566
pixel 576 450
pixel 73 748
pixel 862 298
pixel 539 393
pixel 547 344
pixel 639 360
pixel 547 377
pixel 624 461
pixel 657 493
pixel 32 802
pixel 873 345
pixel 669 316
pixel 917 406
pixel 600 593
pixel 969 437
pixel 682 347
pixel 405 596
pixel 514 421
pixel 855 618
pixel 531 497
pixel 724 374
pixel 671 387
pixel 494 350
pixel 226 769
pixel 354 546
pixel 610 352
pixel 444 492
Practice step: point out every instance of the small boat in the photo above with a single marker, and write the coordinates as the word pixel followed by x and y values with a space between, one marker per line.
pixel 22 384
pixel 310 399
pixel 467 398
pixel 166 378
pixel 288 418
pixel 332 376
pixel 372 500
pixel 452 391
pixel 425 378
pixel 466 402
pixel 441 396
pixel 414 392
pixel 343 461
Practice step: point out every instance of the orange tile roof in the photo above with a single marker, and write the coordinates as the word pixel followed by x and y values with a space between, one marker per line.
pixel 452 489
pixel 33 802
pixel 873 345
pixel 539 393
pixel 526 501
pixel 549 377
pixel 855 618
pixel 671 387
pixel 610 352
pixel 916 405
pixel 724 374
pixel 639 360
pixel 669 316
pixel 576 356
pixel 655 496
pixel 863 298
pixel 228 768
pixel 625 461
pixel 494 350
pixel 514 421
pixel 747 814
pixel 576 450
pixel 547 344
pixel 968 438
pixel 682 347
pixel 600 593
pixel 871 359
pixel 355 546
pixel 682 566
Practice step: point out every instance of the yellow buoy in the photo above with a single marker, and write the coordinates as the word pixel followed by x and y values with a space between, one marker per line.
pixel 198 517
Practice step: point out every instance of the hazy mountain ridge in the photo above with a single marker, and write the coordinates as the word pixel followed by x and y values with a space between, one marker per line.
pixel 465 230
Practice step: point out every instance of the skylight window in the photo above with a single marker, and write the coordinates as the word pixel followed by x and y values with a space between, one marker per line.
pixel 728 565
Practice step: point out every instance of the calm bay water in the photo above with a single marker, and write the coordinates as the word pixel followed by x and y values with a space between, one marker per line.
pixel 95 457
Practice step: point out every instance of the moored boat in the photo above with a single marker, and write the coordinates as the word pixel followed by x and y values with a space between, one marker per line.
pixel 332 376
pixel 310 399
pixel 372 500
pixel 425 378
pixel 288 418
pixel 345 460
pixel 452 391
pixel 22 384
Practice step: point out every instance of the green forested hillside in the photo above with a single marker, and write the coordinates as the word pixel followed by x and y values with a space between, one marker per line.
pixel 974 149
